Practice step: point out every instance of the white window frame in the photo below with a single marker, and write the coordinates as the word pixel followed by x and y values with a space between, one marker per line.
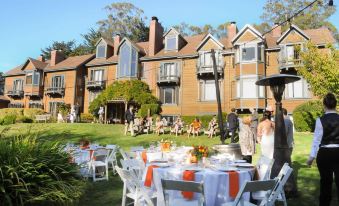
pixel 202 88
pixel 62 81
pixel 239 94
pixel 176 42
pixel 304 87
pixel 118 73
pixel 175 98
pixel 93 76
pixel 15 85
pixel 102 43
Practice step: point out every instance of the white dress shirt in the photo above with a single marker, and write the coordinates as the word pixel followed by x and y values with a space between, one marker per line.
pixel 318 135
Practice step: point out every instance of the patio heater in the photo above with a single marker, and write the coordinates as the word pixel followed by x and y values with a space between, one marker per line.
pixel 217 90
pixel 277 85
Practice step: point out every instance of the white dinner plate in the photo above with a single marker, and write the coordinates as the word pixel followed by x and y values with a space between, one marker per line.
pixel 244 165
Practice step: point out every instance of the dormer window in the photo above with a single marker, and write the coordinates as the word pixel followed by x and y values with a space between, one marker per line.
pixel 171 43
pixel 250 53
pixel 101 50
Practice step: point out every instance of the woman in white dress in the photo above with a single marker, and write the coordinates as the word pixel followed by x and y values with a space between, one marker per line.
pixel 266 135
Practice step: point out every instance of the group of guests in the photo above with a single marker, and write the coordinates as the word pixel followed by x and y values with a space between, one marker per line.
pixel 72 116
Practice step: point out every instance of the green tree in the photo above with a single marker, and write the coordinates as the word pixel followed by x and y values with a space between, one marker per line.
pixel 67 48
pixel 313 17
pixel 131 90
pixel 90 39
pixel 320 69
pixel 189 30
pixel 124 19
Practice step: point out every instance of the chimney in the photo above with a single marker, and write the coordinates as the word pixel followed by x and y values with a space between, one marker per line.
pixel 56 57
pixel 232 30
pixel 155 41
pixel 116 42
pixel 41 58
pixel 276 32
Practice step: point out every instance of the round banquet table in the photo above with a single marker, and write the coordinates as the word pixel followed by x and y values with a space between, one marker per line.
pixel 216 183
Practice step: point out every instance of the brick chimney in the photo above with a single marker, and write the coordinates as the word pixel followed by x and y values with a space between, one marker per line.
pixel 116 41
pixel 56 57
pixel 41 58
pixel 155 41
pixel 232 30
pixel 277 30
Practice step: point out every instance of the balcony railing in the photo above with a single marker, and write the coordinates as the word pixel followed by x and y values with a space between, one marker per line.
pixel 90 84
pixel 33 90
pixel 174 78
pixel 208 69
pixel 289 63
pixel 55 91
pixel 15 92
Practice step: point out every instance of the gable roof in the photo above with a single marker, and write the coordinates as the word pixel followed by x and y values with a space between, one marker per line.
pixel 71 62
pixel 292 27
pixel 171 29
pixel 244 29
pixel 320 36
pixel 207 37
pixel 135 45
pixel 36 64
pixel 15 71
pixel 108 42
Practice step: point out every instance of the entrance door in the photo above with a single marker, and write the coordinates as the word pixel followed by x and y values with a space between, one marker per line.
pixel 116 112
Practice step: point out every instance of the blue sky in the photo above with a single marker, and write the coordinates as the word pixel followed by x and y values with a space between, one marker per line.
pixel 27 26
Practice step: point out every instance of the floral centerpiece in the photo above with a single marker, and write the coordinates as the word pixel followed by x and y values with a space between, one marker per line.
pixel 198 152
pixel 165 145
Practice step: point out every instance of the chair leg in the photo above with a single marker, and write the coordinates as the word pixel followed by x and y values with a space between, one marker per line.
pixel 123 203
pixel 283 197
pixel 107 171
pixel 93 171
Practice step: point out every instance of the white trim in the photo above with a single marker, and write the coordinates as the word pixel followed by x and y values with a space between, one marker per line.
pixel 176 36
pixel 243 30
pixel 293 27
pixel 206 38
pixel 171 29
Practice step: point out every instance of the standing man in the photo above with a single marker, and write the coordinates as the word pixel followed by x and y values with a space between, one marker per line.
pixel 129 120
pixel 101 113
pixel 291 185
pixel 325 148
pixel 254 122
pixel 232 119
pixel 77 113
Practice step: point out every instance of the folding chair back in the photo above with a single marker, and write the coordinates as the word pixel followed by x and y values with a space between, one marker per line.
pixel 264 167
pixel 254 186
pixel 100 155
pixel 133 186
pixel 112 158
pixel 137 148
pixel 124 154
pixel 278 191
pixel 187 186
pixel 137 166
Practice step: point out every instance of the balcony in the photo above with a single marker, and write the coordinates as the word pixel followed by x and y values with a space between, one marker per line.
pixel 173 78
pixel 92 84
pixel 15 93
pixel 208 69
pixel 33 90
pixel 55 91
pixel 285 63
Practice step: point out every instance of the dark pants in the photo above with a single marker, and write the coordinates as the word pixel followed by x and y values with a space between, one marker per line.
pixel 248 158
pixel 233 130
pixel 78 118
pixel 328 164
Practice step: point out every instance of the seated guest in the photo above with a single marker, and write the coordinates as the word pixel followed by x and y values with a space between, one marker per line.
pixel 212 126
pixel 177 126
pixel 141 125
pixel 247 139
pixel 195 127
pixel 84 144
pixel 159 126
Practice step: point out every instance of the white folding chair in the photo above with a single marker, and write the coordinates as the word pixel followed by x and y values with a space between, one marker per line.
pixel 278 192
pixel 124 154
pixel 137 166
pixel 99 164
pixel 253 186
pixel 134 190
pixel 187 186
pixel 112 158
pixel 137 149
pixel 263 168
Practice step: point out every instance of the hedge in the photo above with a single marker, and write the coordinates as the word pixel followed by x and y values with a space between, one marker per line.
pixel 305 115
pixel 87 118
pixel 18 115
pixel 153 108
pixel 205 119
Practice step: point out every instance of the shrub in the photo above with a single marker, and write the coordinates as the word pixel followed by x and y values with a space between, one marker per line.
pixel 305 115
pixel 37 173
pixel 23 119
pixel 64 108
pixel 31 112
pixel 87 118
pixel 153 108
pixel 14 111
pixel 9 119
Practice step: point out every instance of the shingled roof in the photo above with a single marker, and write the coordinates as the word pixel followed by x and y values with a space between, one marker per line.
pixel 71 62
pixel 18 70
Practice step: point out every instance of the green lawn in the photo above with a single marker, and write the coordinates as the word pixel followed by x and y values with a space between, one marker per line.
pixel 109 192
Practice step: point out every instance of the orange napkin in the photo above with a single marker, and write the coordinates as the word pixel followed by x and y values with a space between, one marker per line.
pixel 234 183
pixel 144 156
pixel 188 176
pixel 149 175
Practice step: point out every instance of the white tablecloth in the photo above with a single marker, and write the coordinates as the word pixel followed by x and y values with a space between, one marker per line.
pixel 216 183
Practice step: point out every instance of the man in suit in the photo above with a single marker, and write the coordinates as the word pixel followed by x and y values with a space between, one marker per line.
pixel 77 112
pixel 233 123
pixel 129 120
pixel 325 149
pixel 254 122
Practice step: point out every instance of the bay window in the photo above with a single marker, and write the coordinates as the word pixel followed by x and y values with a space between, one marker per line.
pixel 250 52
pixel 33 78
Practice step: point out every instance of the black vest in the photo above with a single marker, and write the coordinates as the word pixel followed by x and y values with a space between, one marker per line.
pixel 330 123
